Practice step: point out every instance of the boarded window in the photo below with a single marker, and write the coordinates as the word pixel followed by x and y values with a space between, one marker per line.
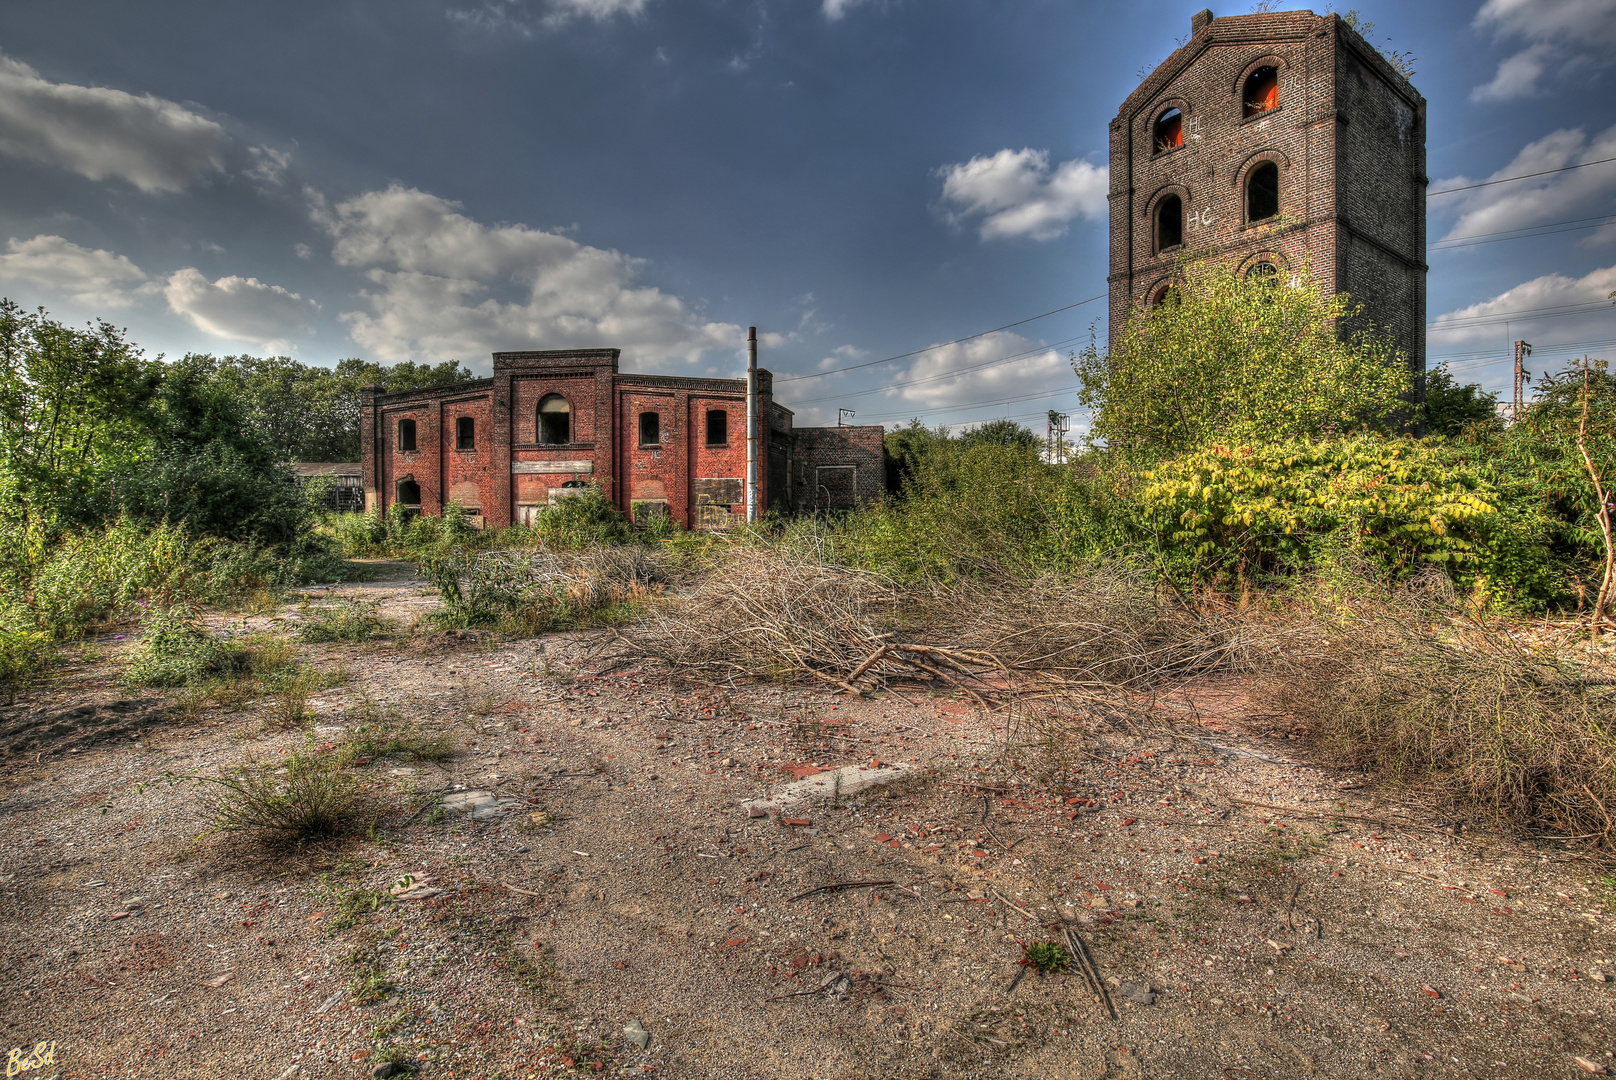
pixel 1169 223
pixel 555 419
pixel 837 486
pixel 465 433
pixel 1262 192
pixel 1262 90
pixel 650 428
pixel 409 493
pixel 717 427
pixel 1169 130
pixel 406 436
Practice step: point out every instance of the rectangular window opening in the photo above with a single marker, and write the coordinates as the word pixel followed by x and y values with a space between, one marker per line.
pixel 717 427
pixel 406 436
pixel 650 429
pixel 465 433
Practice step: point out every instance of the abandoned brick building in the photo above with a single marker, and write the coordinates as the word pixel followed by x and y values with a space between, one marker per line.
pixel 1275 140
pixel 547 424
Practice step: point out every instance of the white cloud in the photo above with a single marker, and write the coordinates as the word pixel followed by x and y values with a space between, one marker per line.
pixel 1014 193
pixel 240 309
pixel 451 287
pixel 1464 326
pixel 155 145
pixel 268 164
pixel 1035 368
pixel 89 276
pixel 1556 197
pixel 513 16
pixel 835 9
pixel 1559 36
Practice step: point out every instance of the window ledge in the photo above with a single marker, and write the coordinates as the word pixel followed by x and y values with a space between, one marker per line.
pixel 1265 114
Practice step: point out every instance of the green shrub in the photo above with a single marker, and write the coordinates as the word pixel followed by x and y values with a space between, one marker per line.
pixel 1239 513
pixel 24 654
pixel 585 520
pixel 177 649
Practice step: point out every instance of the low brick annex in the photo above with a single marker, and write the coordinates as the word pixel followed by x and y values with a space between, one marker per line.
pixel 548 424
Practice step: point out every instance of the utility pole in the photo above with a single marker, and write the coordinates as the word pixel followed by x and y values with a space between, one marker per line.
pixel 1056 437
pixel 849 413
pixel 751 425
pixel 1523 349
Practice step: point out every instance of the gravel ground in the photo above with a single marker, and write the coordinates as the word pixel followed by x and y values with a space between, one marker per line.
pixel 1278 920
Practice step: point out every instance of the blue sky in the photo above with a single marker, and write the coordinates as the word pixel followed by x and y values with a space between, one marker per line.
pixel 435 179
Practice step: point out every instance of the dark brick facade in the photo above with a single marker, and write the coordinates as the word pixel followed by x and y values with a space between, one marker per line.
pixel 1345 132
pixel 655 444
pixel 838 468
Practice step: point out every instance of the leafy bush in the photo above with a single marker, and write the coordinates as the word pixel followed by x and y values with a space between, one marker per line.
pixel 1238 513
pixel 577 522
pixel 1226 357
pixel 23 655
pixel 177 649
pixel 532 592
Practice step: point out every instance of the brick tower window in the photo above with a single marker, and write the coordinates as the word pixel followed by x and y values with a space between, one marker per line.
pixel 717 427
pixel 1262 192
pixel 555 419
pixel 465 433
pixel 1169 223
pixel 1265 272
pixel 1160 295
pixel 1169 130
pixel 1262 90
pixel 650 429
pixel 406 436
pixel 409 493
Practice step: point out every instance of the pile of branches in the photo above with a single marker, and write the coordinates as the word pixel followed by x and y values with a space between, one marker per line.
pixel 780 615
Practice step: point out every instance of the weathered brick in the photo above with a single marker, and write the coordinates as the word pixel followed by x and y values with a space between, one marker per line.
pixel 1347 137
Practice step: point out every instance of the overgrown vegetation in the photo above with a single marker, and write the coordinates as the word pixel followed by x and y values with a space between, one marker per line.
pixel 309 797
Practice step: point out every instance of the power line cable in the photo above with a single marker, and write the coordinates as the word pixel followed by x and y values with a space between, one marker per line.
pixel 1524 235
pixel 949 374
pixel 943 345
pixel 1523 176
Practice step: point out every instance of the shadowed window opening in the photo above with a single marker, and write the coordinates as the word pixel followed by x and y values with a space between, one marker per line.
pixel 1160 295
pixel 555 419
pixel 1262 192
pixel 1169 130
pixel 465 433
pixel 409 493
pixel 1169 223
pixel 650 428
pixel 717 427
pixel 406 435
pixel 1265 272
pixel 1262 90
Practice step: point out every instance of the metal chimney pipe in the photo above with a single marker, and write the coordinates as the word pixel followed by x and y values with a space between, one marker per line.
pixel 751 425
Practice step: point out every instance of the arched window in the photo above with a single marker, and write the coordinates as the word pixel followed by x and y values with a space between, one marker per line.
pixel 409 493
pixel 465 433
pixel 1169 130
pixel 1169 223
pixel 650 429
pixel 1262 90
pixel 1265 272
pixel 555 419
pixel 1262 192
pixel 717 427
pixel 406 436
pixel 1160 295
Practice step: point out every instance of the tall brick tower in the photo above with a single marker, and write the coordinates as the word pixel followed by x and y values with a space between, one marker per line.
pixel 1275 140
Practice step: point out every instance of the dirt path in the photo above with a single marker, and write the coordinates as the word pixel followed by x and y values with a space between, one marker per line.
pixel 621 882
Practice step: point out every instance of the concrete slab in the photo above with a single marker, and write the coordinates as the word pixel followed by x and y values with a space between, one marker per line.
pixel 479 804
pixel 835 783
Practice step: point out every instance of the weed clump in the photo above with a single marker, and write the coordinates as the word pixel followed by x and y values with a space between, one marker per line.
pixel 1470 713
pixel 344 620
pixel 1046 957
pixel 177 649
pixel 312 798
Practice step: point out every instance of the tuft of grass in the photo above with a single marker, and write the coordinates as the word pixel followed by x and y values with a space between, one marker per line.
pixel 312 798
pixel 1046 957
pixel 345 620
pixel 390 736
pixel 357 906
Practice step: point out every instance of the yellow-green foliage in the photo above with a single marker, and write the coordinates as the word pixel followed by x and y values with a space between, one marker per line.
pixel 1245 510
